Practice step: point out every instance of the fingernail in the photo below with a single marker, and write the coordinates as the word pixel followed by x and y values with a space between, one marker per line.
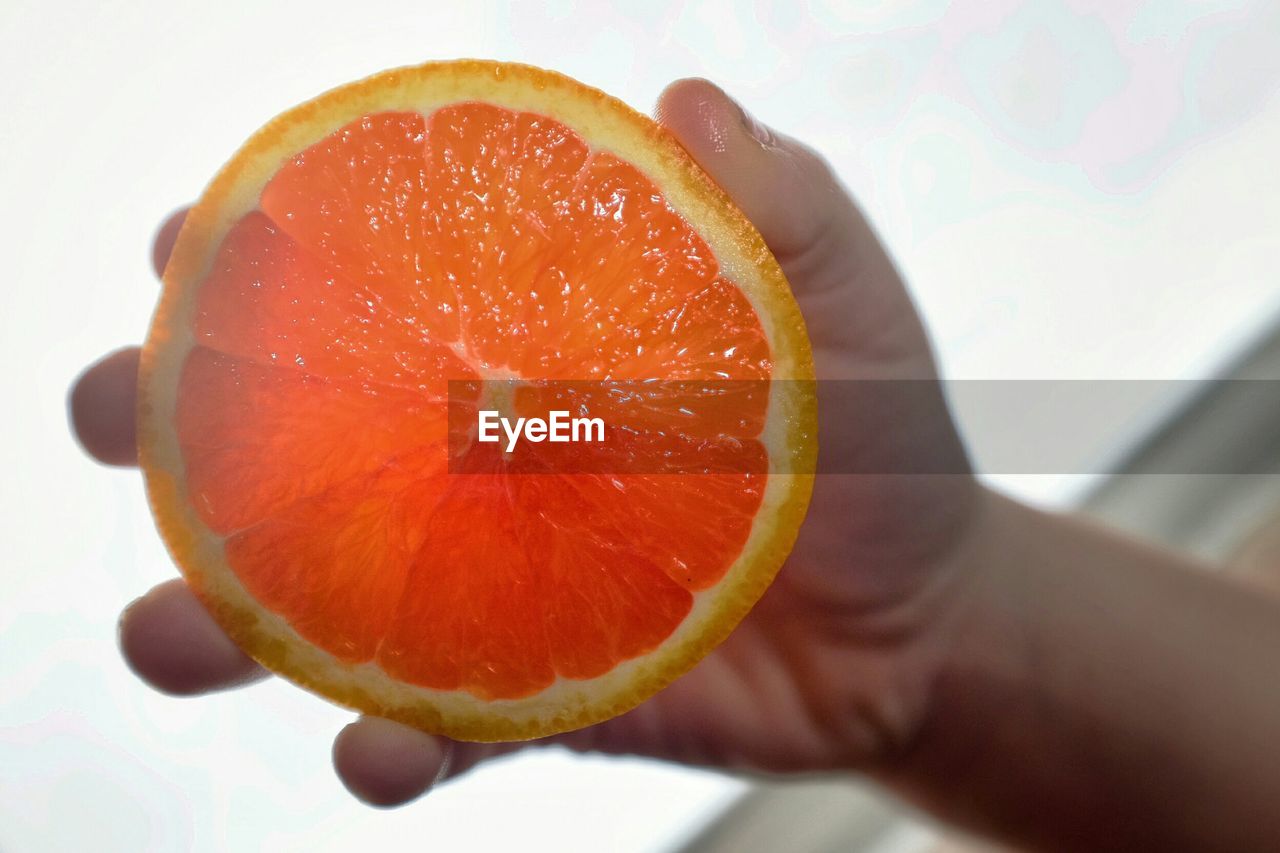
pixel 446 763
pixel 758 130
pixel 124 617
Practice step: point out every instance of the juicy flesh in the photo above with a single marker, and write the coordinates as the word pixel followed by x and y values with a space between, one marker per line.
pixel 404 251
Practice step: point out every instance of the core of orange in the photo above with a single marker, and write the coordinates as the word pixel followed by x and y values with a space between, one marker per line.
pixel 471 221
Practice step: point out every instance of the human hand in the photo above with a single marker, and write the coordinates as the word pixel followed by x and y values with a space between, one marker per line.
pixel 832 668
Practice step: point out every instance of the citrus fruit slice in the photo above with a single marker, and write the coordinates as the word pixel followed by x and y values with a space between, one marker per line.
pixel 457 226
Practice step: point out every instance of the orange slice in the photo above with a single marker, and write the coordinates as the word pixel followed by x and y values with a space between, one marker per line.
pixel 368 254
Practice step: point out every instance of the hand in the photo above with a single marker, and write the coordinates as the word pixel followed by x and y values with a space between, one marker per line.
pixel 833 667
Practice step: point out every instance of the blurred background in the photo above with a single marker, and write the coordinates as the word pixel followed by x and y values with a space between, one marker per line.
pixel 1074 190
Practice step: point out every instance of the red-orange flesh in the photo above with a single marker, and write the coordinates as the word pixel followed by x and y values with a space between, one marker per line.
pixel 475 242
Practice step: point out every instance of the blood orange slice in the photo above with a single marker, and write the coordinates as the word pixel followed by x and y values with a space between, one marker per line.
pixel 375 261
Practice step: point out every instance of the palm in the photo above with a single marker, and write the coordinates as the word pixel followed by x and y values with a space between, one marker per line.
pixel 805 681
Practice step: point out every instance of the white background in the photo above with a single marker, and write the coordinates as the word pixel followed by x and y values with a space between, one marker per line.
pixel 1083 189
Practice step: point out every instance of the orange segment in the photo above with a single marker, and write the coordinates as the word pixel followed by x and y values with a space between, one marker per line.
pixel 627 257
pixel 469 221
pixel 637 515
pixel 335 564
pixel 562 605
pixel 356 202
pixel 268 300
pixel 499 183
pixel 259 438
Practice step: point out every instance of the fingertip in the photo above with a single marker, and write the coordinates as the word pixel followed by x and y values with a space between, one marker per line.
pixel 782 186
pixel 385 763
pixel 166 236
pixel 101 407
pixel 705 119
pixel 684 92
pixel 170 641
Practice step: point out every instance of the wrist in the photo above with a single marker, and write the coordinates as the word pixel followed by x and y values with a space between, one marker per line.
pixel 983 667
pixel 1078 660
pixel 921 628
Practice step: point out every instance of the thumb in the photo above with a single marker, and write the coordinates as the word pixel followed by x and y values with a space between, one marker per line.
pixel 859 315
pixel 869 539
